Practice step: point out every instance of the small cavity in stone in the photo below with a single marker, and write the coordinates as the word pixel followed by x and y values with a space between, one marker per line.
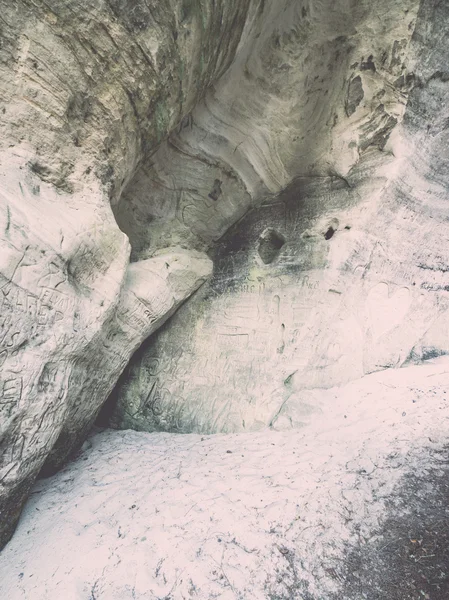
pixel 329 233
pixel 270 244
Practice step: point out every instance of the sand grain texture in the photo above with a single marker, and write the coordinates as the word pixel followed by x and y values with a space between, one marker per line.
pixel 303 514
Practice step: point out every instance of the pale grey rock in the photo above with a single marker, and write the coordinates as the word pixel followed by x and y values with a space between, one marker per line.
pixel 360 282
pixel 152 291
pixel 169 122
pixel 73 311
pixel 279 112
pixel 88 90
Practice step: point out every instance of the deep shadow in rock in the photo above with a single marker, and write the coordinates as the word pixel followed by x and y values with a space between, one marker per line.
pixel 270 244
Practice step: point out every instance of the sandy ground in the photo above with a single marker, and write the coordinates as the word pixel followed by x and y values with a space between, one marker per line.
pixel 352 506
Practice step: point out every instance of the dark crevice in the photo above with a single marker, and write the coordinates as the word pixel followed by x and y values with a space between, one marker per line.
pixel 270 245
pixel 329 233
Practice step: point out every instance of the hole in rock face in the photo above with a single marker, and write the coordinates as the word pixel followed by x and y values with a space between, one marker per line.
pixel 331 229
pixel 270 244
pixel 368 65
pixel 329 233
pixel 216 190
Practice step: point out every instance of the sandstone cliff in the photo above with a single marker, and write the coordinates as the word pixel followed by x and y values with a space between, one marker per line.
pixel 299 145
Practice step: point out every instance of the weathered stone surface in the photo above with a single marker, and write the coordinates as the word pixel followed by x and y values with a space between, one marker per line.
pixel 168 122
pixel 355 279
pixel 88 90
pixel 347 295
pixel 278 113
pixel 153 289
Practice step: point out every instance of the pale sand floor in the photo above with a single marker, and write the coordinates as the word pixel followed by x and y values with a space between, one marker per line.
pixel 348 507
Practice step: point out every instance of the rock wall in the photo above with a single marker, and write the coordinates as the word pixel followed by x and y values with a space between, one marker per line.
pixel 336 277
pixel 88 90
pixel 313 86
pixel 146 130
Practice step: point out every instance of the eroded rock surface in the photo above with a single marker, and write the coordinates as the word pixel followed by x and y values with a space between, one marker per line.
pixel 290 105
pixel 344 272
pixel 88 90
pixel 168 122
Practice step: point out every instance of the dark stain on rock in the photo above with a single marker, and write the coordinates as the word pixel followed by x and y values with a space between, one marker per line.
pixel 106 173
pixel 58 178
pixel 187 9
pixel 405 82
pixel 39 169
pixel 442 76
pixel 270 244
pixel 10 508
pixel 378 129
pixel 216 190
pixel 438 267
pixel 430 352
pixel 368 65
pixel 8 219
pixel 289 379
pixel 355 95
pixel 79 107
pixel 396 53
pixel 134 15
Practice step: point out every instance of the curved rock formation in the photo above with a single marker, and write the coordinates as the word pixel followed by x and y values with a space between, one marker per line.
pixel 312 87
pixel 88 91
pixel 345 271
pixel 168 122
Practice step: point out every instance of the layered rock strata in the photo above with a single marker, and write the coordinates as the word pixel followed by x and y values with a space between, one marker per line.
pixel 88 90
pixel 169 122
pixel 339 269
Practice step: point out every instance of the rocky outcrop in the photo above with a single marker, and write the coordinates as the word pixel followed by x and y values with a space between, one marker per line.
pixel 290 106
pixel 153 289
pixel 342 273
pixel 348 281
pixel 169 122
pixel 88 90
